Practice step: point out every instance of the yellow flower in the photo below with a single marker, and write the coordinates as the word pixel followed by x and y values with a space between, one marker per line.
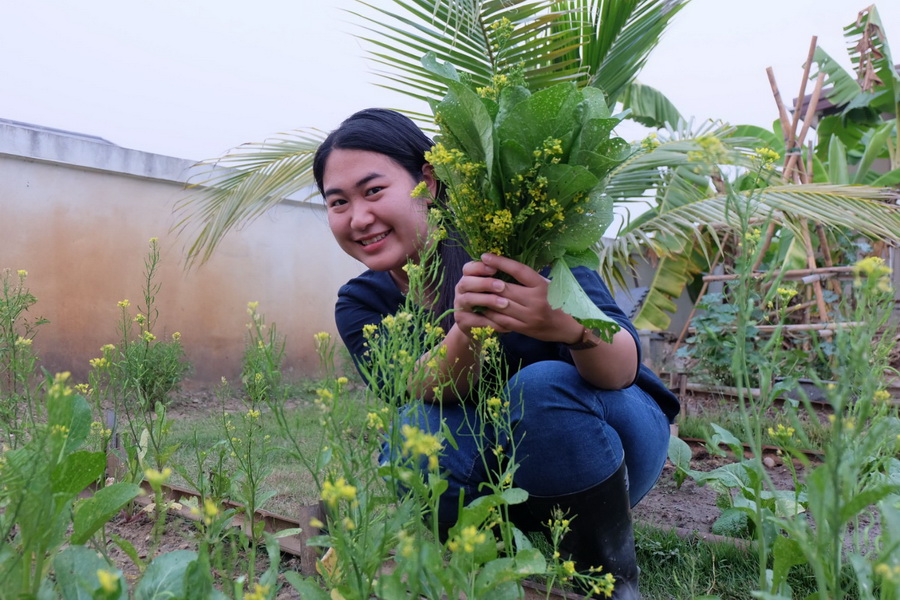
pixel 83 389
pixel 334 492
pixel 109 580
pixel 348 523
pixel 107 348
pixel 260 592
pixel 139 319
pixel 316 523
pixel 374 421
pixel 421 191
pixel 323 337
pixel 466 540
pixel 23 342
pixel 767 155
pixel 148 337
pixel 781 432
pixel 22 273
pixel 154 241
pixel 176 336
pixel 210 510
pixel 568 567
pixel 99 363
pixel 882 396
pixel 253 414
pixel 786 293
pixel 156 478
pixel 418 443
pixel 124 303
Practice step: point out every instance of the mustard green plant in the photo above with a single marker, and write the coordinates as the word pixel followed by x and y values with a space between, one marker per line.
pixel 822 521
pixel 18 361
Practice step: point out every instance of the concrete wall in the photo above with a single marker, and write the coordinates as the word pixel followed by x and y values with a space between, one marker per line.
pixel 77 212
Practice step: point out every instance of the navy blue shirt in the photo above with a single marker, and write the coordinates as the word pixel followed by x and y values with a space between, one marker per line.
pixel 369 298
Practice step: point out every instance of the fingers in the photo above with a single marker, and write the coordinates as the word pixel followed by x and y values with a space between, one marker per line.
pixel 520 272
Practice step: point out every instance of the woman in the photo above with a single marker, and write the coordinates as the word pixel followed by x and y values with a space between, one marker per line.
pixel 592 422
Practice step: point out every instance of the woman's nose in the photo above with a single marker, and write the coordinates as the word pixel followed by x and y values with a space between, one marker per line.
pixel 361 217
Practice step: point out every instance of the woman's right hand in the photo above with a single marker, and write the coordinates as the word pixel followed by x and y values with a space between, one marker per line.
pixel 478 297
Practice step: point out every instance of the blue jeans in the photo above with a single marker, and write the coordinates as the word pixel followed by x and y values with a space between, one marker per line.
pixel 570 436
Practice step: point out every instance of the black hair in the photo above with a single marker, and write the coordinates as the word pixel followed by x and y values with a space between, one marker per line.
pixel 396 136
pixel 376 130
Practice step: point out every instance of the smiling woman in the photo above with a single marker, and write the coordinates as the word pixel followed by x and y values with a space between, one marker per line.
pixel 590 424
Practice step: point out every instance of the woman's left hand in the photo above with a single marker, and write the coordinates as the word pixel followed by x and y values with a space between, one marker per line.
pixel 528 311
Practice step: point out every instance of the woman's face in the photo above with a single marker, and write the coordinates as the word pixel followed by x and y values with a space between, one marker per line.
pixel 370 210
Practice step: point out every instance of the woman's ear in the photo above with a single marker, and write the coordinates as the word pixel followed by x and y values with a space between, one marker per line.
pixel 430 180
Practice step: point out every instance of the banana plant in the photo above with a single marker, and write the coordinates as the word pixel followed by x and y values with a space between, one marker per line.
pixel 864 127
pixel 602 43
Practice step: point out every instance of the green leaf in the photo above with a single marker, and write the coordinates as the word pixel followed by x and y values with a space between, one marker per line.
pixel 732 522
pixel 91 514
pixel 467 118
pixel 544 114
pixel 786 553
pixel 77 471
pixel 514 495
pixel 863 499
pixel 875 146
pixel 566 293
pixel 649 106
pixel 679 453
pixel 73 413
pixel 673 272
pixel 444 72
pixel 837 162
pixel 843 86
pixel 165 577
pixel 588 258
pixel 75 569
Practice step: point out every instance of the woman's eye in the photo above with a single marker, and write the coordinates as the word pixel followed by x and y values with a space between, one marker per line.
pixel 336 202
pixel 373 190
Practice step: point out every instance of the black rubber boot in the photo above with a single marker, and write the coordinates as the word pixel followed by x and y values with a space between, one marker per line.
pixel 601 531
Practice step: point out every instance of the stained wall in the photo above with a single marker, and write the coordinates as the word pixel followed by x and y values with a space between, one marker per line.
pixel 77 213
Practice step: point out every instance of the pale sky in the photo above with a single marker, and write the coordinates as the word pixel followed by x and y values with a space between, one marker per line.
pixel 193 78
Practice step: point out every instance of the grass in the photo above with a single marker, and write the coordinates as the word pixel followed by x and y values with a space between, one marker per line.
pixel 674 568
pixel 289 478
pixel 696 424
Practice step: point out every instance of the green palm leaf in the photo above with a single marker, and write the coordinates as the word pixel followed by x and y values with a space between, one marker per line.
pixel 673 232
pixel 464 34
pixel 244 184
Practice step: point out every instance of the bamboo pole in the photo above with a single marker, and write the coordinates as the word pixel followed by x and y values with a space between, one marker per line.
pixel 807 120
pixel 789 274
pixel 782 113
pixel 806 68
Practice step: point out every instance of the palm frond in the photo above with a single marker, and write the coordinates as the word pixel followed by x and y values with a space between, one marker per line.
pixel 631 42
pixel 243 184
pixel 462 34
pixel 870 211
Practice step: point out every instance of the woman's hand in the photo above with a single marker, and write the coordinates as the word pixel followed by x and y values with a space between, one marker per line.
pixel 523 307
pixel 483 300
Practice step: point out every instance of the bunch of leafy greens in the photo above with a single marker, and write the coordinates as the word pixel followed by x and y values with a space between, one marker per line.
pixel 524 176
